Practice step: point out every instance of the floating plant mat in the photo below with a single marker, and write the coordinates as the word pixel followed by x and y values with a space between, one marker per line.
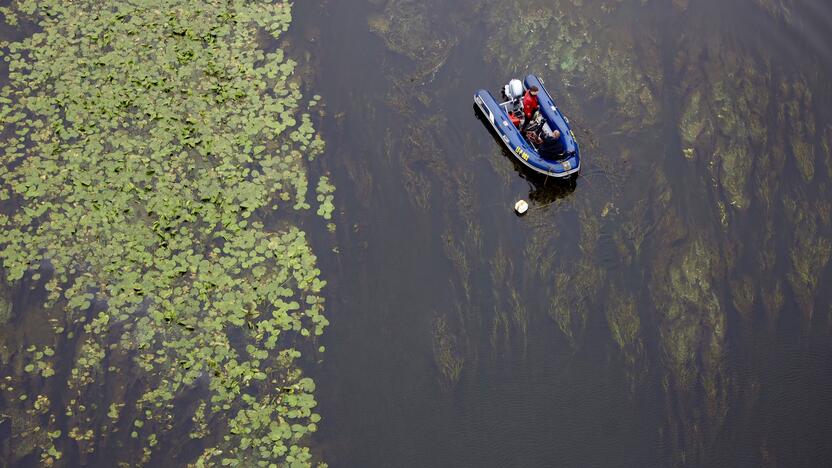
pixel 142 142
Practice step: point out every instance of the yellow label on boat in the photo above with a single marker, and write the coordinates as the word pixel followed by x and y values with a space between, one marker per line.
pixel 522 153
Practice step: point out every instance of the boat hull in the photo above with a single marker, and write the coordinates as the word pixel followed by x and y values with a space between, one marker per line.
pixel 497 116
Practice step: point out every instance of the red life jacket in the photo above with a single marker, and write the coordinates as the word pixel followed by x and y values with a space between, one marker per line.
pixel 514 119
pixel 529 104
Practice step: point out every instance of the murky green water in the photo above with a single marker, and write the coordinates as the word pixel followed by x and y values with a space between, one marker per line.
pixel 666 309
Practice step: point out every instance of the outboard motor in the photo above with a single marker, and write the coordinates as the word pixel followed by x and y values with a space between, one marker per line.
pixel 513 90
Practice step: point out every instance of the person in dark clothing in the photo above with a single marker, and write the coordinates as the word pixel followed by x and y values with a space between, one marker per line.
pixel 552 146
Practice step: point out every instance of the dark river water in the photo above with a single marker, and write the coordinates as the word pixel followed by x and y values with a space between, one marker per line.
pixel 666 309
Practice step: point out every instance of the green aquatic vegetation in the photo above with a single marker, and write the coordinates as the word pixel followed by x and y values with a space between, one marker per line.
pixel 200 426
pixel 527 29
pixel 500 333
pixel 631 86
pixel 587 46
pixel 5 311
pixel 796 106
pixel 685 286
pixel 724 114
pixel 766 255
pixel 500 271
pixel 625 326
pixel 542 239
pixel 640 220
pixel 519 316
pixel 40 362
pixel 742 294
pixel 590 231
pixel 623 321
pixel 561 311
pixel 773 301
pixel 826 150
pixel 781 9
pixel 418 185
pixel 511 315
pixel 142 145
pixel 407 28
pixel 809 252
pixel 633 230
pixel 325 197
pixel 694 124
pixel 456 254
pixel 28 421
pixel 736 164
pixel 467 203
pixel 446 353
pixel 423 156
pixel 692 335
pixel 576 283
pixel 575 287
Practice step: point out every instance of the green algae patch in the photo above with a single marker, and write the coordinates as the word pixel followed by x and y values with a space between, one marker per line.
pixel 826 150
pixel 692 334
pixel 742 295
pixel 5 311
pixel 587 46
pixel 684 293
pixel 796 107
pixel 405 27
pixel 809 252
pixel 408 28
pixel 746 121
pixel 626 329
pixel 573 298
pixel 446 353
pixel 623 321
pixel 694 124
pixel 780 9
pixel 142 144
pixel 724 124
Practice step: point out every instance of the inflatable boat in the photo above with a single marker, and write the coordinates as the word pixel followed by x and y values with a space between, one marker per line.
pixel 524 137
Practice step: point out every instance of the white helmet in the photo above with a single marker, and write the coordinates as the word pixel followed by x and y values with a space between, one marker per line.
pixel 514 89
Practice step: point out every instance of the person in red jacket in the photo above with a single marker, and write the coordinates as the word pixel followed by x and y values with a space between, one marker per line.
pixel 530 103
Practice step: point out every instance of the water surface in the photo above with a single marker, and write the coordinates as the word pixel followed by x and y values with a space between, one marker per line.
pixel 666 309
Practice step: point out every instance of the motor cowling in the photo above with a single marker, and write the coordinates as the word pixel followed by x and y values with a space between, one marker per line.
pixel 514 89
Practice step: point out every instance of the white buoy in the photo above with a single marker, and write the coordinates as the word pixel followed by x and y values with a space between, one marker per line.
pixel 521 206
